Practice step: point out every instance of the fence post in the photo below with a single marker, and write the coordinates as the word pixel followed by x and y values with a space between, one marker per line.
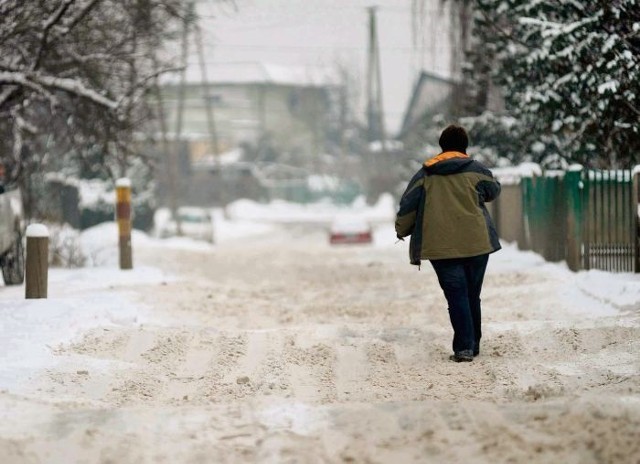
pixel 529 172
pixel 37 263
pixel 635 221
pixel 526 184
pixel 573 186
pixel 123 217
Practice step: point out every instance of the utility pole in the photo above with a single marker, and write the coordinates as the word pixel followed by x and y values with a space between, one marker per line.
pixel 208 102
pixel 344 111
pixel 375 112
pixel 209 110
pixel 166 150
pixel 173 165
pixel 183 64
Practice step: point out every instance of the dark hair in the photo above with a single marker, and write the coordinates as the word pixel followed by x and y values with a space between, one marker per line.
pixel 454 138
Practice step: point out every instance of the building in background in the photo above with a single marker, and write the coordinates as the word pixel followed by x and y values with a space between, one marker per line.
pixel 285 109
pixel 258 114
pixel 432 95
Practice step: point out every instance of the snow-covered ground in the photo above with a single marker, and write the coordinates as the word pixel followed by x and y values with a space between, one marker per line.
pixel 316 353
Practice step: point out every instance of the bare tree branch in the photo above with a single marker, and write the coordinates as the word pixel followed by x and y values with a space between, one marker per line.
pixel 78 17
pixel 46 27
pixel 6 93
pixel 144 84
pixel 56 16
pixel 631 107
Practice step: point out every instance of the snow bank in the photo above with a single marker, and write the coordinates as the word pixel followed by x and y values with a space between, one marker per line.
pixel 79 299
pixel 511 175
pixel 280 211
pixel 95 191
pixel 227 230
pixel 32 328
pixel 595 293
pixel 99 244
pixel 619 290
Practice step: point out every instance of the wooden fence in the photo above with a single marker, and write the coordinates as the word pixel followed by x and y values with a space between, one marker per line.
pixel 587 218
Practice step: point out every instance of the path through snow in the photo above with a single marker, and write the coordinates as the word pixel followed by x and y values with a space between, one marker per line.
pixel 283 349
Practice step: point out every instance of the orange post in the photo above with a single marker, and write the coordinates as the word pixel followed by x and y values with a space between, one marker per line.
pixel 123 217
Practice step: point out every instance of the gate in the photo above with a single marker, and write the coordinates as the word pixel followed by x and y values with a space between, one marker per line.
pixel 608 221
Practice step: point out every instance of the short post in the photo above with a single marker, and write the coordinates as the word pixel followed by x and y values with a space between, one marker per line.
pixel 37 263
pixel 123 217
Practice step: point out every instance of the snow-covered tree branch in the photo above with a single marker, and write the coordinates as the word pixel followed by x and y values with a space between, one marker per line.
pixel 40 83
pixel 77 67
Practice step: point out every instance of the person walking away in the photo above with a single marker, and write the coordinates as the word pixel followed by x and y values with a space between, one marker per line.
pixel 443 210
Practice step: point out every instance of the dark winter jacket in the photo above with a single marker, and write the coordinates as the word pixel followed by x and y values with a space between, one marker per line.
pixel 443 209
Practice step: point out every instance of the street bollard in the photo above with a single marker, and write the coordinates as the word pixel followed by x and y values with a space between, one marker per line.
pixel 123 216
pixel 37 263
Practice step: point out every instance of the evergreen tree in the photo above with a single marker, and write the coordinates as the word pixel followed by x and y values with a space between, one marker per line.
pixel 569 73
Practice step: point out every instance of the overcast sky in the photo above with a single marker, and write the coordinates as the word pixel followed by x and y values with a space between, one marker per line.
pixel 321 32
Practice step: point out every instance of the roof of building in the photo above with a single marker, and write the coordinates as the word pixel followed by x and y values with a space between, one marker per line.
pixel 257 73
pixel 422 102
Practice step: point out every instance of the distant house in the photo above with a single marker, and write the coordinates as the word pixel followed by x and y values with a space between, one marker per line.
pixel 437 95
pixel 251 102
pixel 272 113
pixel 432 95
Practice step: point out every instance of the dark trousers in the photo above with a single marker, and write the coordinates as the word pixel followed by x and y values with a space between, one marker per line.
pixel 461 281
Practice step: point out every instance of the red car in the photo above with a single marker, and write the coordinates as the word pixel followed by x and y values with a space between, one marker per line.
pixel 350 230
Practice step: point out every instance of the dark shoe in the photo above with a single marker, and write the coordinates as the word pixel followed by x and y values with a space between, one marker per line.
pixel 462 356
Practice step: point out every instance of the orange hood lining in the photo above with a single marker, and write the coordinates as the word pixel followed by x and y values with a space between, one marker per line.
pixel 445 156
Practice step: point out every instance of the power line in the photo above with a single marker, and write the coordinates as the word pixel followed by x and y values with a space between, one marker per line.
pixel 332 10
pixel 316 47
pixel 283 21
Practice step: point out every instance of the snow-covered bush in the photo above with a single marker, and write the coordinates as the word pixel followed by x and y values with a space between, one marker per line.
pixel 64 247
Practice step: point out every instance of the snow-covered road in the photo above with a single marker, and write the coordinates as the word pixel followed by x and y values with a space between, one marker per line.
pixel 281 348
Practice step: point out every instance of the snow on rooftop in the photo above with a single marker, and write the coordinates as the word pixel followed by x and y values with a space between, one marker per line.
pixel 223 159
pixel 258 73
pixel 94 191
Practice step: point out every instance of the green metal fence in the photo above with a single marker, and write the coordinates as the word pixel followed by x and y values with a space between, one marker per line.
pixel 544 211
pixel 609 234
pixel 586 217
